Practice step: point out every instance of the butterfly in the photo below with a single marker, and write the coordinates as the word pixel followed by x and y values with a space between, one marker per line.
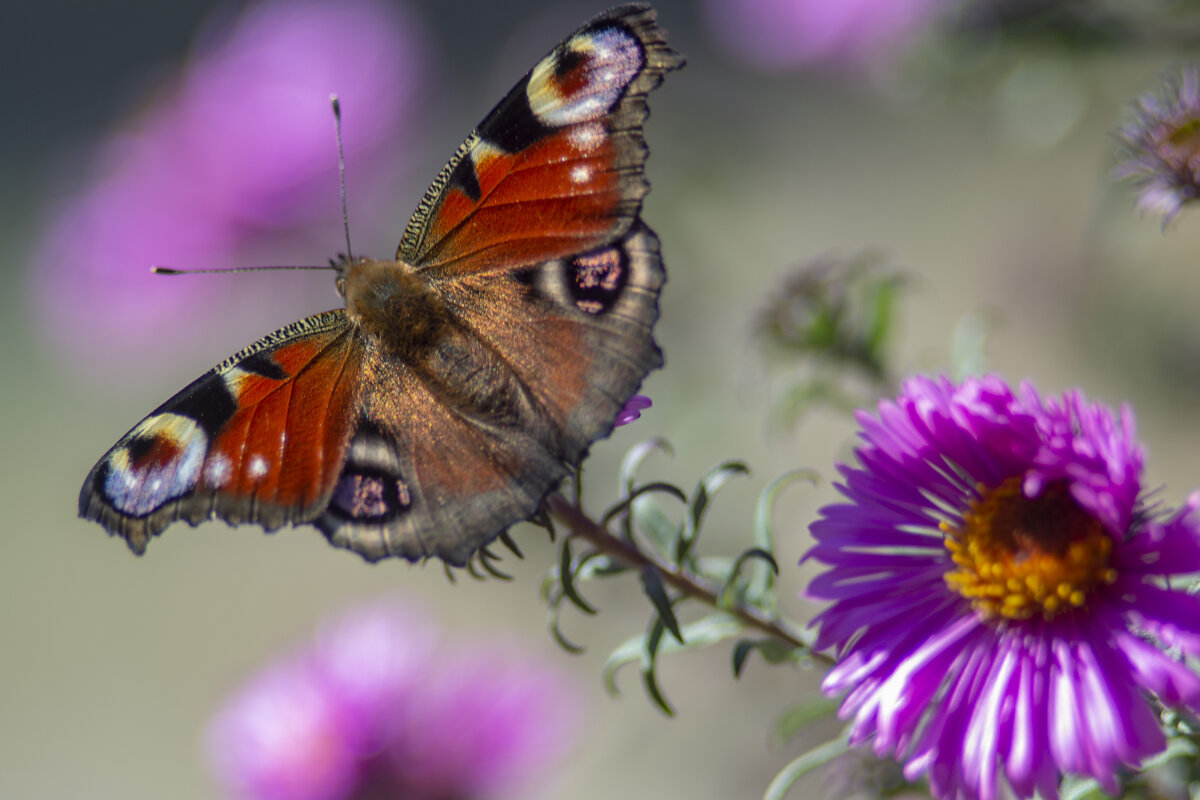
pixel 464 379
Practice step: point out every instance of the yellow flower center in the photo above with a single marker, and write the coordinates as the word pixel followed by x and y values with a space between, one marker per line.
pixel 1178 144
pixel 1019 557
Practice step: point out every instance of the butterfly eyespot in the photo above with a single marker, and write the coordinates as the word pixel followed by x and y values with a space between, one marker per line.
pixel 595 280
pixel 159 462
pixel 370 488
pixel 582 81
pixel 369 496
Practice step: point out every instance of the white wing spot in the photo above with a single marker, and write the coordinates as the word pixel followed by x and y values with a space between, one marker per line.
pixel 588 136
pixel 257 466
pixel 216 471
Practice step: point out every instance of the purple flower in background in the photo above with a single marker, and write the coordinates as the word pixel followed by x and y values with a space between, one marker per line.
pixel 1160 147
pixel 633 409
pixel 381 707
pixel 233 163
pixel 785 34
pixel 997 595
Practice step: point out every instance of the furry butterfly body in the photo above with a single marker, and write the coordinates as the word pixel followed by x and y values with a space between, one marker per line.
pixel 464 379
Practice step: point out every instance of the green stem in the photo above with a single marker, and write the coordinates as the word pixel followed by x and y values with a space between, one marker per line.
pixel 700 588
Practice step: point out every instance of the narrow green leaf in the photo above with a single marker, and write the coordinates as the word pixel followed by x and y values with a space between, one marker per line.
pixel 797 717
pixel 729 590
pixel 710 630
pixel 636 455
pixel 472 571
pixel 654 588
pixel 621 505
pixel 1075 787
pixel 626 652
pixel 542 520
pixel 486 557
pixel 773 651
pixel 760 580
pixel 649 666
pixel 507 540
pixel 764 508
pixel 704 632
pixel 649 518
pixel 741 652
pixel 556 631
pixel 566 575
pixel 801 766
pixel 595 564
pixel 708 486
pixel 1177 747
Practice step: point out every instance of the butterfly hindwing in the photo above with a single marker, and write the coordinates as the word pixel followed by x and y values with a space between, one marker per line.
pixel 449 469
pixel 556 167
pixel 581 343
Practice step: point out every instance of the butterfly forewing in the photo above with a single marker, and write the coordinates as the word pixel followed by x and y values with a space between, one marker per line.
pixel 259 438
pixel 463 381
pixel 556 168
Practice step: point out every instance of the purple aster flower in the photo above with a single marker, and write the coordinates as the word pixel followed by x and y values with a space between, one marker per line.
pixel 784 34
pixel 998 597
pixel 380 707
pixel 233 163
pixel 286 737
pixel 633 409
pixel 1160 147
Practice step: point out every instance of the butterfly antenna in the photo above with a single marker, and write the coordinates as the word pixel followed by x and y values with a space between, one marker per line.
pixel 209 270
pixel 337 124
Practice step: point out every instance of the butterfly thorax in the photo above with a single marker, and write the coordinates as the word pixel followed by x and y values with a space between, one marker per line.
pixel 392 303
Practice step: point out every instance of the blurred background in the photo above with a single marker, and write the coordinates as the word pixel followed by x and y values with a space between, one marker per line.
pixel 968 144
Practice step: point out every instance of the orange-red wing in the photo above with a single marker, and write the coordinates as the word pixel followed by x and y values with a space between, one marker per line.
pixel 259 438
pixel 556 168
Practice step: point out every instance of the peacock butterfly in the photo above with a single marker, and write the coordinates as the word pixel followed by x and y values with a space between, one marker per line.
pixel 465 378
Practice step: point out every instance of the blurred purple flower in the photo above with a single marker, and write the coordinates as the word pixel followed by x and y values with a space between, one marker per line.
pixel 236 157
pixel 380 708
pixel 785 34
pixel 999 599
pixel 633 409
pixel 1160 147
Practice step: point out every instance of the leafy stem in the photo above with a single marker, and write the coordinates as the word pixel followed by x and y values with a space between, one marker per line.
pixel 678 576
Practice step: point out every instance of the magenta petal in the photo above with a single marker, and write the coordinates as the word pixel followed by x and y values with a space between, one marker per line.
pixel 1171 680
pixel 231 162
pixel 285 738
pixel 381 707
pixel 632 410
pixel 1171 616
pixel 974 702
